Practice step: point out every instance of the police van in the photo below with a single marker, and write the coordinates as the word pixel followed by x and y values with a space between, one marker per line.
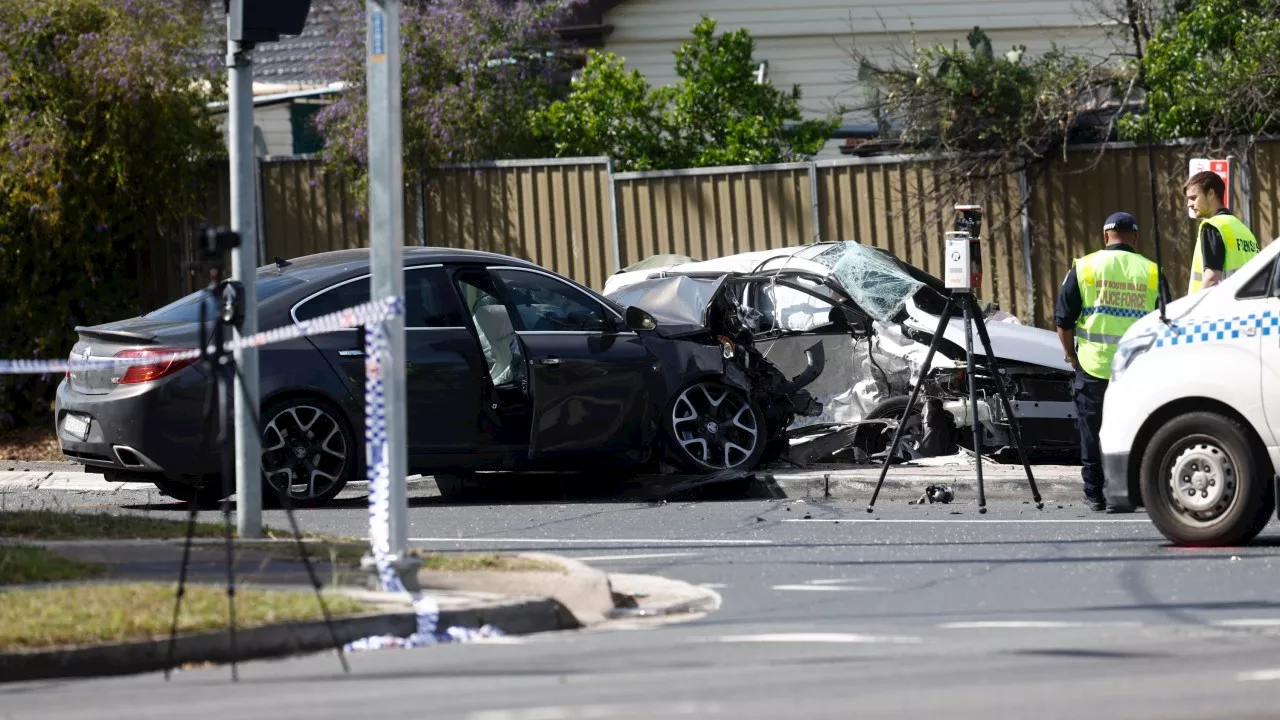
pixel 1191 419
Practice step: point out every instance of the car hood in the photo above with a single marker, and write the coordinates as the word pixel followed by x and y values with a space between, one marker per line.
pixel 677 303
pixel 1010 342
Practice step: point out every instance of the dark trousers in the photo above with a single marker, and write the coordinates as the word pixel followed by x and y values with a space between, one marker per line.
pixel 1087 391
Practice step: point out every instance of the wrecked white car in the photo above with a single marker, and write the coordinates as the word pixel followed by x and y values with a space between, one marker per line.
pixel 875 317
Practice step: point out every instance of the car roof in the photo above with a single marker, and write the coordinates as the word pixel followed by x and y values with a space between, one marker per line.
pixel 320 263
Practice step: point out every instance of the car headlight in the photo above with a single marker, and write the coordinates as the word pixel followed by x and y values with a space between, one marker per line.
pixel 1128 351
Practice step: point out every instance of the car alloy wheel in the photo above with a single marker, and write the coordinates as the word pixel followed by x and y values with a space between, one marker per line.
pixel 307 449
pixel 717 427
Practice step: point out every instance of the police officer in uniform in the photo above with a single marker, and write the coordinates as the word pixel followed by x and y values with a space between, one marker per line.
pixel 1223 243
pixel 1103 294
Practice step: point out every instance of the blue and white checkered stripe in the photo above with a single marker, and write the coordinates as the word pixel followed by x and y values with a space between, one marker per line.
pixel 1113 311
pixel 1221 329
pixel 369 313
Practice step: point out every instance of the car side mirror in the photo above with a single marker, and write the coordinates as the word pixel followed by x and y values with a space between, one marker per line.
pixel 638 319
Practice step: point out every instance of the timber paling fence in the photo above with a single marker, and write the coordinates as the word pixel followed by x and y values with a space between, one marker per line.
pixel 579 217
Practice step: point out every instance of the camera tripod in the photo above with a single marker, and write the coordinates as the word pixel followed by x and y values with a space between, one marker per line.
pixel 221 369
pixel 968 304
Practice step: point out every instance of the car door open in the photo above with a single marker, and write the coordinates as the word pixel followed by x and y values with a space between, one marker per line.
pixel 586 372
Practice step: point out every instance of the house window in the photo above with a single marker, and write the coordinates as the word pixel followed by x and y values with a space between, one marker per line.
pixel 306 138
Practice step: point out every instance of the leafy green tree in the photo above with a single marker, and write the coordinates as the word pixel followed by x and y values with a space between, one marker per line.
pixel 104 141
pixel 610 111
pixel 716 114
pixel 1004 110
pixel 1211 71
pixel 471 72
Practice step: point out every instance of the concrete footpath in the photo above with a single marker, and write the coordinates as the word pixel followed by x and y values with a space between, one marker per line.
pixel 566 595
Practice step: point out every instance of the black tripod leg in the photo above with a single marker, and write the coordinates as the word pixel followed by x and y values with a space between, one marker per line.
pixel 228 487
pixel 915 393
pixel 286 502
pixel 994 366
pixel 974 423
pixel 193 507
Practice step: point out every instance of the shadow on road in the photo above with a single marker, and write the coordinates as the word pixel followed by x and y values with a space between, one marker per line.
pixel 559 488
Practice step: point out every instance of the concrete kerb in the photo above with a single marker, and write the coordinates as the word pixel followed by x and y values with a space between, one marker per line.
pixel 582 594
pixel 908 481
pixel 263 642
pixel 518 603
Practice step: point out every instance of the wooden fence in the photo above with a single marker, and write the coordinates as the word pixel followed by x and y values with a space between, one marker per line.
pixel 578 217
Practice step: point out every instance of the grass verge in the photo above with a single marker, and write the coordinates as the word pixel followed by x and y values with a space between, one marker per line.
pixel 36 618
pixel 55 525
pixel 21 564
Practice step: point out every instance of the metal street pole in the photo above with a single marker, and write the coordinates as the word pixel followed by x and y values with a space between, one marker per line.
pixel 244 216
pixel 386 239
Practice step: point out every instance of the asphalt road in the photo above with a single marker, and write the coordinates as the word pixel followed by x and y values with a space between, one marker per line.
pixel 827 612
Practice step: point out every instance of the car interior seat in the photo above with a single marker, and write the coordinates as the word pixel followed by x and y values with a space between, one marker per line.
pixel 497 337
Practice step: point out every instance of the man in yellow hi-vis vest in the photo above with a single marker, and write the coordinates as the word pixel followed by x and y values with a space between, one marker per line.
pixel 1103 294
pixel 1223 243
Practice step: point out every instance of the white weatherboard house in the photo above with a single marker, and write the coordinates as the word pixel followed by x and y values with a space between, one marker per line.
pixel 804 42
pixel 807 42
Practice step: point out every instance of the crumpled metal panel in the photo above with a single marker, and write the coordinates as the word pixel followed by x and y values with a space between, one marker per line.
pixel 677 303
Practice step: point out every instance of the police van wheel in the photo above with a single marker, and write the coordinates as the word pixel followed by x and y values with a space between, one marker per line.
pixel 1203 483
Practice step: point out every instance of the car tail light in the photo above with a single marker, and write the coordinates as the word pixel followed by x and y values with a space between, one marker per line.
pixel 148 371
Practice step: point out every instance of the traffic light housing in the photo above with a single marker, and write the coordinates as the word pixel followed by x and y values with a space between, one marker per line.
pixel 266 20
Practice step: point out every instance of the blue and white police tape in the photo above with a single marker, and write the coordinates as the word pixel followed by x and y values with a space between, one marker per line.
pixel 376 448
pixel 369 313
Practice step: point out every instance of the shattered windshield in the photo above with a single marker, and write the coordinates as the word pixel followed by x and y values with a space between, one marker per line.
pixel 873 280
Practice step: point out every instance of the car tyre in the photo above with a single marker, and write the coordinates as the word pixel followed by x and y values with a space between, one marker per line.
pixel 1203 483
pixel 891 409
pixel 707 426
pixel 306 436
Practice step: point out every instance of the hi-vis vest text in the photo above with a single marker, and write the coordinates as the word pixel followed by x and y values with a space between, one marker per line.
pixel 1238 240
pixel 1117 288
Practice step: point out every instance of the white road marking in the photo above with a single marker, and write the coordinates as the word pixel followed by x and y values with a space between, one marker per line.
pixel 835 581
pixel 818 638
pixel 1027 624
pixel 826 588
pixel 942 521
pixel 713 586
pixel 597 712
pixel 1261 622
pixel 648 556
pixel 593 541
pixel 1258 676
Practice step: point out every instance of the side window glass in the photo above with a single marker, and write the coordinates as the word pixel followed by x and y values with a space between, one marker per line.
pixel 341 297
pixel 1259 285
pixel 429 303
pixel 545 304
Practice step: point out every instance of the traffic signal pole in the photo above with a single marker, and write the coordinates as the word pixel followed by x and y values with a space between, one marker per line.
pixel 244 214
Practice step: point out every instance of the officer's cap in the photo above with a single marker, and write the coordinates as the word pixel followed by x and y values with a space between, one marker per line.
pixel 1121 221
